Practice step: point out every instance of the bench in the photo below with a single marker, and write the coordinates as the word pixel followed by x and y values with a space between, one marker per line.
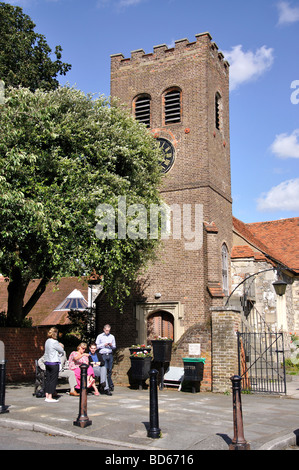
pixel 40 378
pixel 174 377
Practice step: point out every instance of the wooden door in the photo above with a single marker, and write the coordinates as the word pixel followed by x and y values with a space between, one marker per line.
pixel 159 324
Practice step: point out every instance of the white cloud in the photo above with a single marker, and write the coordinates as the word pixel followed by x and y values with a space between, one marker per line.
pixel 286 146
pixel 248 66
pixel 287 14
pixel 284 197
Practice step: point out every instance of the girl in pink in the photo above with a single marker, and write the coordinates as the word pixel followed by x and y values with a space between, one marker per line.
pixel 81 357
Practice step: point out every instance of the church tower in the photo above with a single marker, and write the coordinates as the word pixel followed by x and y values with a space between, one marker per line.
pixel 182 95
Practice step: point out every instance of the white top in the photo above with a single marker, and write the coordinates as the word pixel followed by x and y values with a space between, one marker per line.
pixel 53 350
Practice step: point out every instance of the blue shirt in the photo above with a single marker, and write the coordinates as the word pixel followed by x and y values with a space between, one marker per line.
pixel 94 357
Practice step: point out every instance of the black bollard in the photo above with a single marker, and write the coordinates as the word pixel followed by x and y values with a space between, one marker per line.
pixel 238 442
pixel 162 376
pixel 83 421
pixel 3 408
pixel 154 430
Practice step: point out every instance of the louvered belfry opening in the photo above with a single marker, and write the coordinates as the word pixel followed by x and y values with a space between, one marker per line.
pixel 172 106
pixel 217 110
pixel 143 109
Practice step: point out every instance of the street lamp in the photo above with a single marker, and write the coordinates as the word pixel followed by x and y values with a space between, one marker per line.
pixel 280 287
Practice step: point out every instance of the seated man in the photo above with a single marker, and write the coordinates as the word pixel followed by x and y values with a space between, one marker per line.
pixel 63 372
pixel 98 365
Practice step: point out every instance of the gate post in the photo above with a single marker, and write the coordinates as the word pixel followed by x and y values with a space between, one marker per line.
pixel 226 322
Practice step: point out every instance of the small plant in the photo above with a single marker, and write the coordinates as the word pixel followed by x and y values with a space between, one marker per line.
pixel 164 338
pixel 140 354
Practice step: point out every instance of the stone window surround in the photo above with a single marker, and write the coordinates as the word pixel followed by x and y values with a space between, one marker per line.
pixel 144 309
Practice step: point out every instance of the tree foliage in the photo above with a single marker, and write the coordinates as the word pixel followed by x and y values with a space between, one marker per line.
pixel 62 153
pixel 25 56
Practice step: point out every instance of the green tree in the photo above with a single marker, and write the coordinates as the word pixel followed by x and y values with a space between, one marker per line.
pixel 25 57
pixel 62 153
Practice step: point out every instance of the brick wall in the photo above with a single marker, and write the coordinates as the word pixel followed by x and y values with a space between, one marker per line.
pixel 22 347
pixel 196 334
pixel 225 324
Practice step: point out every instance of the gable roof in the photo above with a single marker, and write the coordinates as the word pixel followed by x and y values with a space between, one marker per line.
pixel 277 239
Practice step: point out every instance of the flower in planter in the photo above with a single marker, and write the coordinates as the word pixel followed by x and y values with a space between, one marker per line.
pixel 139 346
pixel 141 354
pixel 164 338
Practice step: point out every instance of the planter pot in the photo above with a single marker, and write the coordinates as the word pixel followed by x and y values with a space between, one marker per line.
pixel 140 367
pixel 162 350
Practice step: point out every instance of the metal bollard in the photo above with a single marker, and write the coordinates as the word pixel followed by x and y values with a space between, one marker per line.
pixel 83 421
pixel 3 408
pixel 154 430
pixel 238 442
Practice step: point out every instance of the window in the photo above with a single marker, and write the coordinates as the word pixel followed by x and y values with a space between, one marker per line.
pixel 172 106
pixel 142 105
pixel 224 256
pixel 217 110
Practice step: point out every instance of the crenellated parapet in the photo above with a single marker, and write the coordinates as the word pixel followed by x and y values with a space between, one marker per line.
pixel 203 41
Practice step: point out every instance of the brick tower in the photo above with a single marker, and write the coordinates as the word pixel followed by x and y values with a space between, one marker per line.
pixel 182 95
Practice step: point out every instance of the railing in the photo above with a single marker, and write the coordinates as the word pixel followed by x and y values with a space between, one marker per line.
pixel 261 354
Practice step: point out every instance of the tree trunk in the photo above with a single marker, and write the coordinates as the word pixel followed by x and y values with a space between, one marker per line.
pixel 16 291
pixel 16 310
pixel 35 296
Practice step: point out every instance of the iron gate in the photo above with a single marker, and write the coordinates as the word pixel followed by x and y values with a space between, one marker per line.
pixel 261 362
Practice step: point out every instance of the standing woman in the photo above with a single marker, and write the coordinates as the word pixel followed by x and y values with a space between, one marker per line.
pixel 53 351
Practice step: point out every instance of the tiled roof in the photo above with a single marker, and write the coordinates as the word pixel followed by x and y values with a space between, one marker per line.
pixel 43 311
pixel 279 239
pixel 283 238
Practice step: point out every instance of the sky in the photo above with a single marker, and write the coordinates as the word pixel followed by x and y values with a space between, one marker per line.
pixel 260 40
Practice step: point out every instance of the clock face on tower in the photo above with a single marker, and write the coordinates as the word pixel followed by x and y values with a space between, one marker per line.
pixel 168 151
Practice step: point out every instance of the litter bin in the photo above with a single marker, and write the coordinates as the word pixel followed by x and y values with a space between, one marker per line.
pixel 193 370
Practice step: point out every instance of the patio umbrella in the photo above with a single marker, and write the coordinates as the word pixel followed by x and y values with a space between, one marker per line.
pixel 74 301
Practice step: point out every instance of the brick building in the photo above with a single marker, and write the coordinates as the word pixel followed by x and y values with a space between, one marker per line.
pixel 182 95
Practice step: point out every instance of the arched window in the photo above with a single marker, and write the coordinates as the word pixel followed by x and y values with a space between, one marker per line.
pixel 218 111
pixel 224 256
pixel 142 109
pixel 172 106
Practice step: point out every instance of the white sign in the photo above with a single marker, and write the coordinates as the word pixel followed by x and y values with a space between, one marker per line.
pixel 194 349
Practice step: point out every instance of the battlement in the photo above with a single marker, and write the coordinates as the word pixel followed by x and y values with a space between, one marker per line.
pixel 162 50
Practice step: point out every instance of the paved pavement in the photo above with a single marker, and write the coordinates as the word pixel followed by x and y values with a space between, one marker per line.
pixel 188 421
